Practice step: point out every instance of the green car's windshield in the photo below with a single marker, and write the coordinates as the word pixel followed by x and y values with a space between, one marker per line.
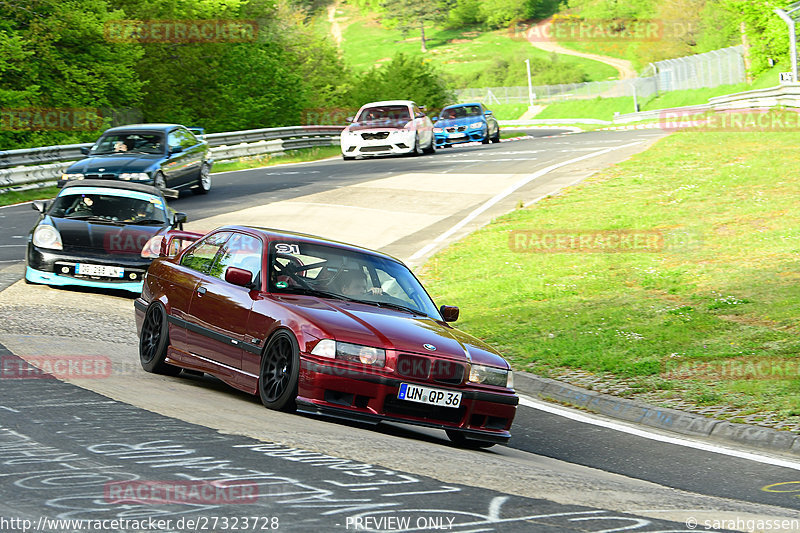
pixel 332 272
pixel 121 143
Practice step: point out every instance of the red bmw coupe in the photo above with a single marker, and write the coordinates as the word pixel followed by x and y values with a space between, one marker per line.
pixel 320 326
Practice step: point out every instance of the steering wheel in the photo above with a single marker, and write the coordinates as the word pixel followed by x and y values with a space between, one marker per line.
pixel 291 271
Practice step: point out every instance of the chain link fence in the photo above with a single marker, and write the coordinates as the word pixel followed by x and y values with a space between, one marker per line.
pixel 711 69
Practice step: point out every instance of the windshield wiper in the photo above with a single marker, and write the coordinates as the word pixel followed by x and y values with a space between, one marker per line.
pixel 317 292
pixel 144 221
pixel 398 306
pixel 94 218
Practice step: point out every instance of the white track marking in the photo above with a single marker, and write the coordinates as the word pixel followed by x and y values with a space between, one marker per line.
pixel 507 191
pixel 679 441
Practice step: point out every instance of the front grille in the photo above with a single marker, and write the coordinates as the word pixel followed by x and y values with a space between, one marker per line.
pixel 429 369
pixel 431 413
pixel 101 176
pixel 382 148
pixel 448 372
pixel 454 129
pixel 375 136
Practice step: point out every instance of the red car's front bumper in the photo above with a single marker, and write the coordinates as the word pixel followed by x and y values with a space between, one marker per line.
pixel 371 397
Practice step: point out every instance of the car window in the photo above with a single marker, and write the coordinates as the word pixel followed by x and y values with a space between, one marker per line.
pixel 384 113
pixel 103 205
pixel 331 271
pixel 186 138
pixel 472 110
pixel 201 256
pixel 240 251
pixel 173 140
pixel 141 142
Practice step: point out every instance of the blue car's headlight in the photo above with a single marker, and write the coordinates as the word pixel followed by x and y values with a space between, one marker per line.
pixel 476 125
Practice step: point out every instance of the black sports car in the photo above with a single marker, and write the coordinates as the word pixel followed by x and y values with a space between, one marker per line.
pixel 98 233
pixel 168 156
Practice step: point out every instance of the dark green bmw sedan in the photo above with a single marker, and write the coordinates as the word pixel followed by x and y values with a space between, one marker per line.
pixel 168 156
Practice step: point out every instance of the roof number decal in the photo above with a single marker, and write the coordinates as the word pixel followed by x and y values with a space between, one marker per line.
pixel 283 248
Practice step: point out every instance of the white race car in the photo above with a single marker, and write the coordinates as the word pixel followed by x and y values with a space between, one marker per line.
pixel 386 128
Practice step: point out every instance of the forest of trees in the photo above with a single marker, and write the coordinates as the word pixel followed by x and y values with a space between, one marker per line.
pixel 62 54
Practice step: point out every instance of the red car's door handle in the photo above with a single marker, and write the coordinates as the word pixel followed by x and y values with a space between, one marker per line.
pixel 201 290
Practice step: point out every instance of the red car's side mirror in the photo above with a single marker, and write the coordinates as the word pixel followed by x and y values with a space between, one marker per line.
pixel 238 276
pixel 449 313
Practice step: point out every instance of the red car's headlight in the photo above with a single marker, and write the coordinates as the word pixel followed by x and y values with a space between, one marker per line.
pixel 355 353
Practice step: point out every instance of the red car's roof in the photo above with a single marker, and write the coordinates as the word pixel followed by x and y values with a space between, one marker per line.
pixel 276 234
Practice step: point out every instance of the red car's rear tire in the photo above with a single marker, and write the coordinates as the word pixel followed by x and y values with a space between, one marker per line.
pixel 154 341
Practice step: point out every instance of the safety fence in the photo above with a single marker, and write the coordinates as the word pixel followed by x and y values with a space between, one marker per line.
pixel 711 69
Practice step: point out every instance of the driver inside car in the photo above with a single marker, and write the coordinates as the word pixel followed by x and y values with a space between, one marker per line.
pixel 355 284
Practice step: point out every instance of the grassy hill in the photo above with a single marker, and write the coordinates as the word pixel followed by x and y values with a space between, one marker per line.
pixel 469 58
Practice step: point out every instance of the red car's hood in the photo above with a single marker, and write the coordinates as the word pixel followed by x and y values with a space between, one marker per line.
pixel 391 329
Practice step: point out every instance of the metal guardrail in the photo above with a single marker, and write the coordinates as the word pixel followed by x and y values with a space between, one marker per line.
pixel 39 165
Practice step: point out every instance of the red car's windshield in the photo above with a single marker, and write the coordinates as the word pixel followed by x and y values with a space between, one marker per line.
pixel 299 267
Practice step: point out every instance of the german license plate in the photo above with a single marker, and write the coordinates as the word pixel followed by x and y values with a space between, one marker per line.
pixel 415 393
pixel 457 135
pixel 98 270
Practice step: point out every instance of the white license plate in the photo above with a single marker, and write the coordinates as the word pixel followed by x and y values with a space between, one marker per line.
pixel 457 135
pixel 98 270
pixel 415 393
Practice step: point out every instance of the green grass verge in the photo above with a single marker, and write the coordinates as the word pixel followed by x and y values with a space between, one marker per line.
pixel 710 318
pixel 267 160
pixel 597 108
pixel 295 156
pixel 459 53
pixel 17 197
pixel 508 111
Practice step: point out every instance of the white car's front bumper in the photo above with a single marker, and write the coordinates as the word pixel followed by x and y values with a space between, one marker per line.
pixel 377 142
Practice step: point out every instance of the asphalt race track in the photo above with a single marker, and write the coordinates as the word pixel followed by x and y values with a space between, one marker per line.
pixel 63 445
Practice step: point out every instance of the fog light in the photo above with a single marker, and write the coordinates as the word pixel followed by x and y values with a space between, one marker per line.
pixel 65 270
pixel 132 275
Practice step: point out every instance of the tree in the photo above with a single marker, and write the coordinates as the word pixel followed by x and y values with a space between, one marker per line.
pixel 54 56
pixel 766 32
pixel 404 78
pixel 413 14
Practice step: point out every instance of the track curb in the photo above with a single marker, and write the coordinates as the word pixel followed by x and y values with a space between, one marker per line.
pixel 662 418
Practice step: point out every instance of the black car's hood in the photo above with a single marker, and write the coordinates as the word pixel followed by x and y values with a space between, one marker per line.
pixel 113 239
pixel 391 329
pixel 115 163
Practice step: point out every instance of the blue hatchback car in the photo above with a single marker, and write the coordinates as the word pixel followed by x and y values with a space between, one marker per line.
pixel 462 123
